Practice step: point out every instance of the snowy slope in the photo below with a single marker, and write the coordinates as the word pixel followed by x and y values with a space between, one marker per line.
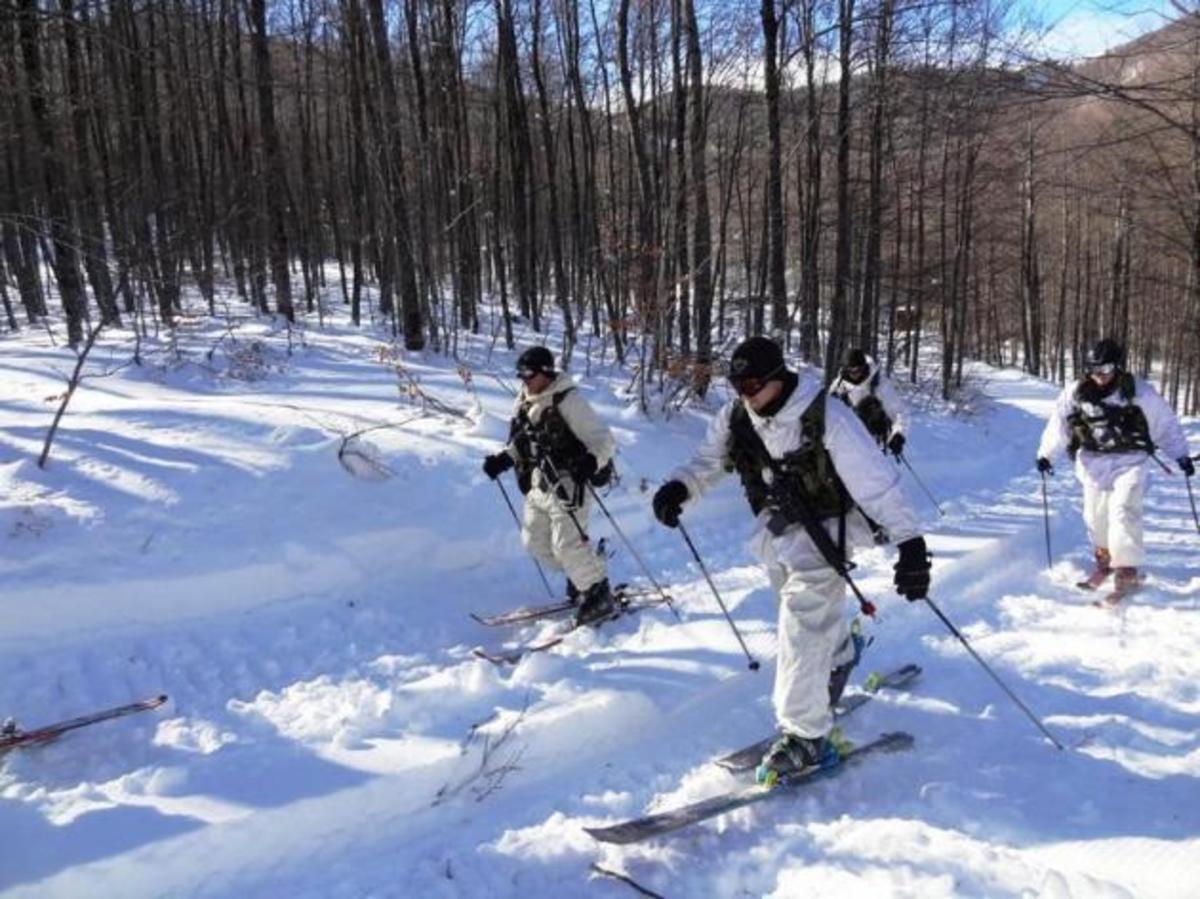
pixel 330 733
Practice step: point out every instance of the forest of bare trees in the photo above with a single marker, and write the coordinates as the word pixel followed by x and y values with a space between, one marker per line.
pixel 668 175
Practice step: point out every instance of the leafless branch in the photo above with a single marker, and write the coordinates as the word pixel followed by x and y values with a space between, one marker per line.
pixel 625 878
pixel 72 384
pixel 490 773
pixel 411 388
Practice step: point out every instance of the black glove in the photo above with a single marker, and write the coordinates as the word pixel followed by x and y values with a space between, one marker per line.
pixel 1186 465
pixel 912 571
pixel 668 502
pixel 496 464
pixel 896 444
pixel 602 477
pixel 1044 466
pixel 583 468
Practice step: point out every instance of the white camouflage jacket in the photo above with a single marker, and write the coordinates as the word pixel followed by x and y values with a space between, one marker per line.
pixel 871 478
pixel 884 390
pixel 1102 469
pixel 575 410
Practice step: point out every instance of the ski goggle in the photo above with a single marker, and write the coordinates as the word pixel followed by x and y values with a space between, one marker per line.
pixel 1106 368
pixel 748 385
pixel 855 374
pixel 528 374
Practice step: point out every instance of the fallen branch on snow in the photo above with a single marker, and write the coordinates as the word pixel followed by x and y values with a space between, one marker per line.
pixel 491 773
pixel 624 878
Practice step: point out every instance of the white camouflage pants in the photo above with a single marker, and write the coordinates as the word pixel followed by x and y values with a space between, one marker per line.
pixel 814 638
pixel 548 532
pixel 1114 517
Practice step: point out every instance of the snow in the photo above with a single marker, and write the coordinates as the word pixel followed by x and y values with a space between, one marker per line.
pixel 289 544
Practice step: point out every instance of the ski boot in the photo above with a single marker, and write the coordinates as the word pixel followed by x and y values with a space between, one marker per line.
pixel 572 593
pixel 792 754
pixel 1100 573
pixel 598 605
pixel 8 728
pixel 840 675
pixel 1125 581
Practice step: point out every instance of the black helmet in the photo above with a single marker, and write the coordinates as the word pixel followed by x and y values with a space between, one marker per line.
pixel 1105 352
pixel 535 360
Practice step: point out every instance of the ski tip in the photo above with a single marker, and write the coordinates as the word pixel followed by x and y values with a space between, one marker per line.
pixel 615 834
pixel 158 700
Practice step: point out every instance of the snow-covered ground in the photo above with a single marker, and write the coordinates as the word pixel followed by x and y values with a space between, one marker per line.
pixel 330 733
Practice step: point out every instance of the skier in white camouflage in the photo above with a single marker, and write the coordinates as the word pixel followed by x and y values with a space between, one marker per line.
pixel 1110 423
pixel 559 447
pixel 863 386
pixel 801 457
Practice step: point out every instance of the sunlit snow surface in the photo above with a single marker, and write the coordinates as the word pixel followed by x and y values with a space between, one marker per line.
pixel 330 734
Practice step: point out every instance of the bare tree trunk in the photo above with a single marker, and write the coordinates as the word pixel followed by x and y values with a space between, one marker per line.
pixel 278 198
pixel 644 265
pixel 516 129
pixel 410 295
pixel 702 285
pixel 65 261
pixel 771 23
pixel 868 326
pixel 838 319
pixel 554 225
pixel 95 253
pixel 810 263
pixel 680 280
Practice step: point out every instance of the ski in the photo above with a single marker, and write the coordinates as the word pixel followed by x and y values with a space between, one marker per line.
pixel 525 614
pixel 12 737
pixel 748 757
pixel 512 656
pixel 661 823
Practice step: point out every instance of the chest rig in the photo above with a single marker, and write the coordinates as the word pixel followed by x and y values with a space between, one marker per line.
pixel 802 487
pixel 548 449
pixel 1101 427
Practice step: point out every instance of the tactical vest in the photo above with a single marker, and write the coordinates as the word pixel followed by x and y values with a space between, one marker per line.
pixel 870 411
pixel 551 446
pixel 803 482
pixel 1104 428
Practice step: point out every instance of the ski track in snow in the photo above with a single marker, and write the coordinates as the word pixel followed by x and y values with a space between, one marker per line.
pixel 330 734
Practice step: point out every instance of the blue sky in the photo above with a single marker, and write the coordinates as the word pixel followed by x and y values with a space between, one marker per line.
pixel 1088 27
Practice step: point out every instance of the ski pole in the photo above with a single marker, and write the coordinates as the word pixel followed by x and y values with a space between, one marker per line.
pixel 753 661
pixel 636 554
pixel 553 473
pixel 1161 463
pixel 1011 695
pixel 1046 519
pixel 920 483
pixel 1192 499
pixel 517 519
pixel 1187 480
